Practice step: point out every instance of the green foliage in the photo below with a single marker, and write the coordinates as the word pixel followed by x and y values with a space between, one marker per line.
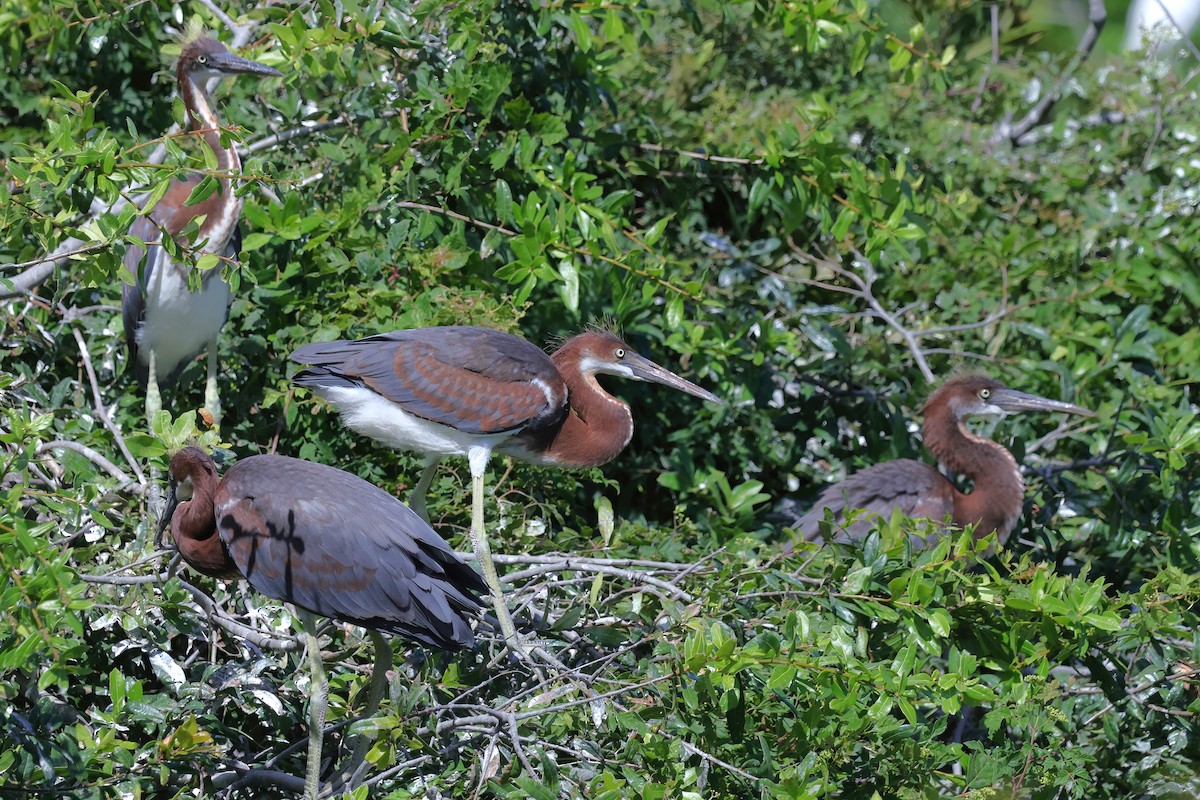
pixel 804 208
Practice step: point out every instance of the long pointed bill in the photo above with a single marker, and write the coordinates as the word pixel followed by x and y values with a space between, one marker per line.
pixel 228 64
pixel 643 369
pixel 1010 400
pixel 165 520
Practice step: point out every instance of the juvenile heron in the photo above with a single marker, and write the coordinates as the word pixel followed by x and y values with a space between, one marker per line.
pixel 330 544
pixel 463 390
pixel 166 323
pixel 919 490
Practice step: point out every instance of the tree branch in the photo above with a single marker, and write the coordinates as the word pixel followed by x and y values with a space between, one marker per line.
pixel 91 455
pixel 102 410
pixel 1012 132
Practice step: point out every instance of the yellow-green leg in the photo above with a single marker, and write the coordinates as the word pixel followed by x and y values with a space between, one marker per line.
pixel 417 503
pixel 154 492
pixel 383 662
pixel 483 553
pixel 318 697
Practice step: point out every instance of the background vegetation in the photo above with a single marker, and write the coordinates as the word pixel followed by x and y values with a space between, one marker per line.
pixel 818 210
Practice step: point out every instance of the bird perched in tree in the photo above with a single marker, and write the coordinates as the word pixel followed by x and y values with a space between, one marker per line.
pixel 463 390
pixel 330 544
pixel 167 323
pixel 919 490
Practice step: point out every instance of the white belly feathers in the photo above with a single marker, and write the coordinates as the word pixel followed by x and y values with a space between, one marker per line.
pixel 179 324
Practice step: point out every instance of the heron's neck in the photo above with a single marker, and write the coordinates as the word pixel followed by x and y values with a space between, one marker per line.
pixel 219 224
pixel 597 426
pixel 194 527
pixel 994 503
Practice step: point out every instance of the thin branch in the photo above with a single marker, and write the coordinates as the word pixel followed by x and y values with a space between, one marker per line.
pixel 58 253
pixel 1012 132
pixel 658 148
pixel 396 769
pixel 445 212
pixel 131 580
pixel 90 454
pixel 569 565
pixel 222 619
pixel 303 129
pixel 504 558
pixel 867 283
pixel 101 410
pixel 696 751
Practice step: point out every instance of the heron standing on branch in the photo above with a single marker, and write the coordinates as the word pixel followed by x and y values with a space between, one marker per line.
pixel 330 544
pixel 167 323
pixel 469 391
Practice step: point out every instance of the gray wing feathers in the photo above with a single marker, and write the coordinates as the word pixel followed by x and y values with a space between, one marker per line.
pixel 133 296
pixel 476 380
pixel 915 488
pixel 342 548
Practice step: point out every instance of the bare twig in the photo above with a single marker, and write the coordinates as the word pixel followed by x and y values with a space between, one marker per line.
pixel 696 751
pixel 222 618
pixel 866 285
pixel 658 148
pixel 1012 132
pixel 130 580
pixel 102 411
pixel 90 455
pixel 572 565
pixel 505 558
pixel 1068 425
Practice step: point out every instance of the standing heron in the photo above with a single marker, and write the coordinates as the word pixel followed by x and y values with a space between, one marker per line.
pixel 470 391
pixel 330 544
pixel 919 490
pixel 166 323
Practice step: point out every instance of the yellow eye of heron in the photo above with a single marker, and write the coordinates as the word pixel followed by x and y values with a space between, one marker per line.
pixel 201 59
pixel 984 394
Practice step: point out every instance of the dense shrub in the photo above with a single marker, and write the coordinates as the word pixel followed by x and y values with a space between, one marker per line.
pixel 816 210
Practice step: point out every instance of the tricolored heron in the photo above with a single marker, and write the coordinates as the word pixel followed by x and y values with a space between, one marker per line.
pixel 463 390
pixel 330 544
pixel 166 323
pixel 919 490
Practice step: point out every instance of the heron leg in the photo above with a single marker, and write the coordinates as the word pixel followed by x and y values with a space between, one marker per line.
pixel 212 397
pixel 318 698
pixel 154 493
pixel 417 503
pixel 483 553
pixel 349 772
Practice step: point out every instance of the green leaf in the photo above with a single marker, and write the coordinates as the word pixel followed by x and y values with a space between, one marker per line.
pixel 202 191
